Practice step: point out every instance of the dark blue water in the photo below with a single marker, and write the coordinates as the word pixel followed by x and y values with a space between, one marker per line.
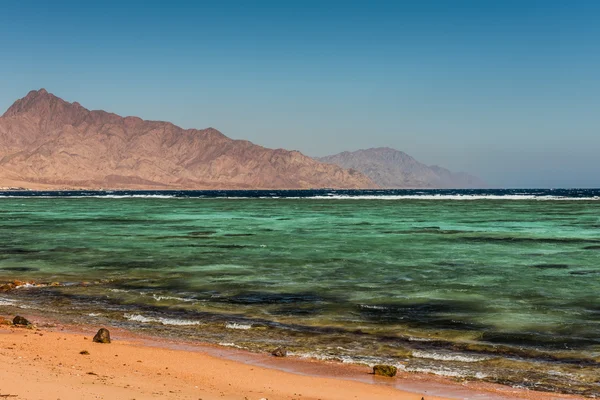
pixel 549 194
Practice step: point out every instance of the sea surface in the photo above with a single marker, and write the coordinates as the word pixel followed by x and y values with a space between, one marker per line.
pixel 497 285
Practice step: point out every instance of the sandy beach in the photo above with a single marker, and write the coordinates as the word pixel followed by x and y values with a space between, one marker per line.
pixel 45 362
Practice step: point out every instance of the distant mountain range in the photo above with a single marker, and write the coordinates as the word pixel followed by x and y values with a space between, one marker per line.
pixel 390 168
pixel 48 143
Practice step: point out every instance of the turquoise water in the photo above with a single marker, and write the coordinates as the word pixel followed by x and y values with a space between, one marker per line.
pixel 499 289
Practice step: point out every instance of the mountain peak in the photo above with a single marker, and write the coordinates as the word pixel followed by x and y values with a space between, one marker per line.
pixel 35 93
pixel 42 104
pixel 35 99
pixel 38 94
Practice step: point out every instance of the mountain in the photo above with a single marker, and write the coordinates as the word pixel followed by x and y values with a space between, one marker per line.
pixel 391 168
pixel 49 143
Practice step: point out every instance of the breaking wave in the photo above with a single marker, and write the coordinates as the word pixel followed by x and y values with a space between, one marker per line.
pixel 161 320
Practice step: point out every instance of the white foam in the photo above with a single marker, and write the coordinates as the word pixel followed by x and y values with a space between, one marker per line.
pixel 228 344
pixel 7 302
pixel 337 197
pixel 448 356
pixel 372 361
pixel 96 196
pixel 451 197
pixel 136 196
pixel 441 372
pixel 417 339
pixel 160 320
pixel 372 307
pixel 345 359
pixel 235 325
pixel 161 298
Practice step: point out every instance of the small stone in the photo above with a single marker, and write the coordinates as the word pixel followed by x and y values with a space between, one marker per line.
pixel 385 370
pixel 18 320
pixel 103 336
pixel 279 352
pixel 84 353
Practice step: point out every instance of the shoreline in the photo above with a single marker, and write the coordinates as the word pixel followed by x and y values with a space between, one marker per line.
pixel 47 356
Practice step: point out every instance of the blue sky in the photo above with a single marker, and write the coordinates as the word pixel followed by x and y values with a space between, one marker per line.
pixel 508 90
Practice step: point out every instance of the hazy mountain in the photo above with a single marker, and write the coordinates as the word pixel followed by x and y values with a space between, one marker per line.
pixel 391 168
pixel 46 142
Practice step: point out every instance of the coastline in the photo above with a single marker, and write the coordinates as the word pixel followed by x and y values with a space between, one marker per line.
pixel 46 359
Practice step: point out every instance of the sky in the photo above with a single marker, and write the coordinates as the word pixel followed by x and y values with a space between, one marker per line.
pixel 507 90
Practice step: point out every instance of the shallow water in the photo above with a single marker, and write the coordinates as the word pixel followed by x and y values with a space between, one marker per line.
pixel 501 288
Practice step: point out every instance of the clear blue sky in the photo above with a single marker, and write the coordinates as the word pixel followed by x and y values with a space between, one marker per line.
pixel 508 90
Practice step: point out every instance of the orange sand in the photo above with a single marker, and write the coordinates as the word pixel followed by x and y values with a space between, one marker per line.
pixel 47 364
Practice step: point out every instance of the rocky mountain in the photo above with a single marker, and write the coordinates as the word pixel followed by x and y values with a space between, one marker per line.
pixel 391 168
pixel 48 143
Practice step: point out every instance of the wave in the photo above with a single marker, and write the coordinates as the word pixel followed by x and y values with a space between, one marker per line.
pixel 160 320
pixel 345 359
pixel 451 197
pixel 441 371
pixel 7 302
pixel 372 307
pixel 98 196
pixel 229 344
pixel 14 303
pixel 235 325
pixel 133 196
pixel 448 356
pixel 163 297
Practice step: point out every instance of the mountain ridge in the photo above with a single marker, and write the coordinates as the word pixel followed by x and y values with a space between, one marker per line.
pixel 394 169
pixel 47 142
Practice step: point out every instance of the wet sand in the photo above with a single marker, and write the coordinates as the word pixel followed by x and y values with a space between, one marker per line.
pixel 45 363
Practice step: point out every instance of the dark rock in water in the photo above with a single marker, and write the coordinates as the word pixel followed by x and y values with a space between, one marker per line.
pixel 551 266
pixel 591 272
pixel 279 352
pixel 18 320
pixel 19 269
pixel 103 336
pixel 385 370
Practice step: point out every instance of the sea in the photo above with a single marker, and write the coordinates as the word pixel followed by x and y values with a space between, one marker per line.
pixel 493 285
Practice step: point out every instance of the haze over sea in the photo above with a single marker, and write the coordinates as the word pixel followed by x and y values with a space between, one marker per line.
pixel 499 285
